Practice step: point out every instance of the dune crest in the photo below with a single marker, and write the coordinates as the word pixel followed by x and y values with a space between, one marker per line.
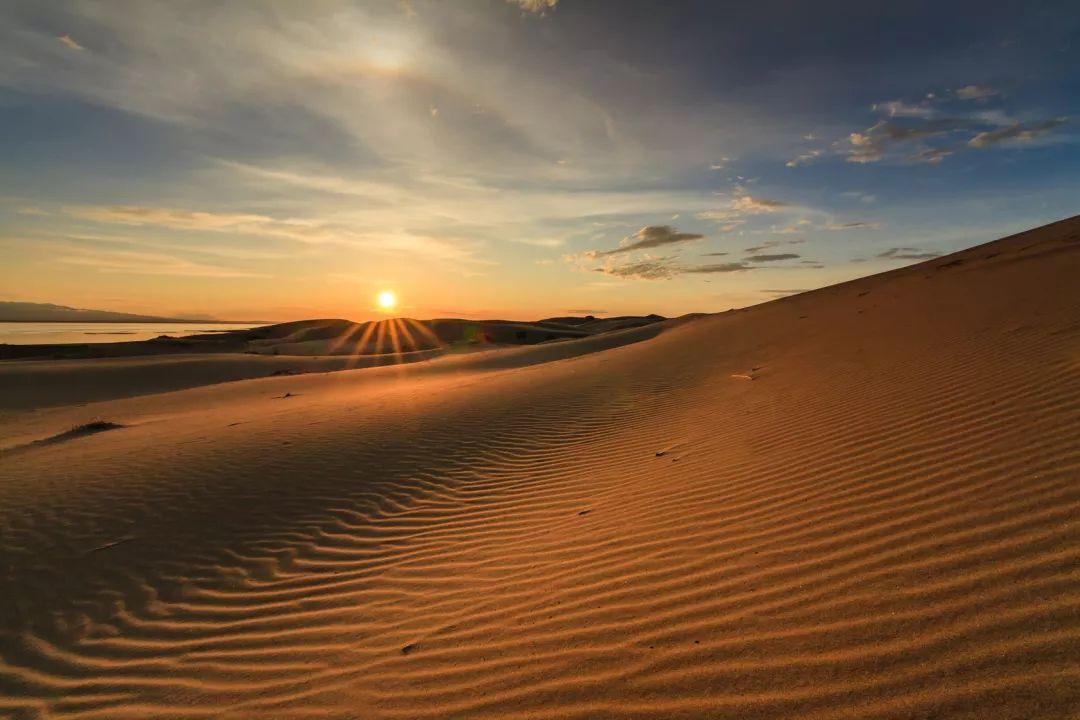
pixel 859 502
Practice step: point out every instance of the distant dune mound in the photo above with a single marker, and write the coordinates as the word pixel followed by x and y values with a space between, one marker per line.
pixel 343 337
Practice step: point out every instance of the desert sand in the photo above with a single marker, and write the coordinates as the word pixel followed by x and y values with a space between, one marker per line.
pixel 858 502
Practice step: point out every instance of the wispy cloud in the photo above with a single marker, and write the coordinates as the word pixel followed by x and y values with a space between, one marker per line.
pixel 772 258
pixel 856 225
pixel 898 108
pixel 976 92
pixel 535 6
pixel 873 144
pixel 916 133
pixel 655 269
pixel 307 231
pixel 1019 132
pixel 652 236
pixel 143 262
pixel 717 268
pixel 756 205
pixel 804 159
pixel 740 207
pixel 66 40
pixel 908 253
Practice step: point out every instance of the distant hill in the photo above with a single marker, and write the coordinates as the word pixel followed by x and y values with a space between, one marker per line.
pixel 46 312
pixel 393 340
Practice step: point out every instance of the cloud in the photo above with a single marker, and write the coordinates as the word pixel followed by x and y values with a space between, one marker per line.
pixel 724 217
pixel 714 254
pixel 66 40
pixel 773 243
pixel 418 244
pixel 803 159
pixel 860 196
pixel 772 258
pixel 898 108
pixel 650 237
pixel 1018 132
pixel 857 225
pixel 659 269
pixel 976 92
pixel 907 125
pixel 171 218
pixel 665 268
pixel 718 268
pixel 135 262
pixel 742 207
pixel 932 155
pixel 535 6
pixel 872 144
pixel 720 164
pixel 908 253
pixel 756 206
pixel 798 226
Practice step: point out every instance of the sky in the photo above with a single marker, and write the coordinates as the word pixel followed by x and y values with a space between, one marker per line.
pixel 517 158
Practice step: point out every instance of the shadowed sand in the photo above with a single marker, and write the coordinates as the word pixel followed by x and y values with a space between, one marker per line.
pixel 37 376
pixel 860 502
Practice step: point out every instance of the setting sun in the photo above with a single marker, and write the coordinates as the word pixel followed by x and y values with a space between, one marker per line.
pixel 387 300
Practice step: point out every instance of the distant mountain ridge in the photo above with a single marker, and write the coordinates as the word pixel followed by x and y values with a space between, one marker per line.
pixel 47 312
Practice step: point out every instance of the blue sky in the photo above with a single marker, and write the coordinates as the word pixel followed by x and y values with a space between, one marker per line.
pixel 517 159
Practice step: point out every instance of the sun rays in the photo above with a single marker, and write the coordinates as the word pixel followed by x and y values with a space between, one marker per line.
pixel 390 341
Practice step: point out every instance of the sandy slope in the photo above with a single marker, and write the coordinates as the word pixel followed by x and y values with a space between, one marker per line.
pixel 882 523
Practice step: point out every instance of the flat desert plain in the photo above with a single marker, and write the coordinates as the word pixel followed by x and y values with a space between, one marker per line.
pixel 857 502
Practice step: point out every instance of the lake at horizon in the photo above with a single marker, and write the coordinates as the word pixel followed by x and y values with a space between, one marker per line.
pixel 59 333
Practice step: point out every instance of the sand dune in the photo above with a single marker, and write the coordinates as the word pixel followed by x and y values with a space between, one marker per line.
pixel 41 376
pixel 860 502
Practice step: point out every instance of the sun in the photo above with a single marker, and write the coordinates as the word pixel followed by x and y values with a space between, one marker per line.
pixel 387 300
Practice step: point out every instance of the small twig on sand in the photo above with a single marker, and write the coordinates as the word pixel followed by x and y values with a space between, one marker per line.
pixel 108 545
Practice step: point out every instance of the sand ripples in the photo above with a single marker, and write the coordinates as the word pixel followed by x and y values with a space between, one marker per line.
pixel 883 524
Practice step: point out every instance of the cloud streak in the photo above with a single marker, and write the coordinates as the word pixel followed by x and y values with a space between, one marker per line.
pixel 908 253
pixel 71 44
pixel 652 236
pixel 1019 132
pixel 772 258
